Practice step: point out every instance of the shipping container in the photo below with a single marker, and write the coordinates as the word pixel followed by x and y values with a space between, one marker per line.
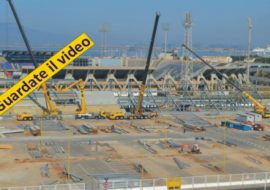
pixel 237 125
pixel 244 117
pixel 257 117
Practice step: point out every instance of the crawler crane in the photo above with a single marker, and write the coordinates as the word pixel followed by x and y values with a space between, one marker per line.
pixel 51 112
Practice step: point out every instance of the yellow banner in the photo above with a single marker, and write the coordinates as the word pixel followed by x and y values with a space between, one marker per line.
pixel 45 71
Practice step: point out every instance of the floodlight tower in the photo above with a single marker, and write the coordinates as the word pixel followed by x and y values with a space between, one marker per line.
pixel 104 32
pixel 250 27
pixel 187 67
pixel 166 28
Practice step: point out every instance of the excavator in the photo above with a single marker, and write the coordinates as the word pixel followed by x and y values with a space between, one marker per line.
pixel 81 112
pixel 139 114
pixel 258 106
pixel 51 112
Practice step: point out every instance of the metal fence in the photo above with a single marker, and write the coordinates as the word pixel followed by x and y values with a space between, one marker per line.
pixel 76 186
pixel 193 182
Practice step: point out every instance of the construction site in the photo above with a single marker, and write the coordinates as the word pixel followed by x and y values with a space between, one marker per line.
pixel 172 121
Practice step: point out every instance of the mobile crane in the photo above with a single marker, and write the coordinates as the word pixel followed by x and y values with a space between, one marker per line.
pixel 258 106
pixel 138 111
pixel 81 112
pixel 51 112
pixel 139 114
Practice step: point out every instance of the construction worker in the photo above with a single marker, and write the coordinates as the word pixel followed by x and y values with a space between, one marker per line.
pixel 90 141
pixel 112 128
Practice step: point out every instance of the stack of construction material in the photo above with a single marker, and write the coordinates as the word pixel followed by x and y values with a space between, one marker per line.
pixel 35 130
pixel 86 129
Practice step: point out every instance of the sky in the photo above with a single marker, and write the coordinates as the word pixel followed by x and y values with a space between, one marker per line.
pixel 216 23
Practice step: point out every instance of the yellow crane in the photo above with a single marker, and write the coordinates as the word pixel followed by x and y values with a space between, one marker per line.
pixel 82 108
pixel 51 111
pixel 258 106
pixel 139 114
pixel 81 112
pixel 144 77
pixel 54 112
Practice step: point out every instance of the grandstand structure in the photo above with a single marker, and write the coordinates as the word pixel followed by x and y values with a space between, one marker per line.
pixel 118 73
pixel 122 75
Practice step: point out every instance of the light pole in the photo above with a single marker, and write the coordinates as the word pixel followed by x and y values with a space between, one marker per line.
pixel 166 28
pixel 257 73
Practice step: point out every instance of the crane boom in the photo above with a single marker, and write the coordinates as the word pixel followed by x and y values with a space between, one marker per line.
pixel 52 111
pixel 144 77
pixel 83 107
pixel 38 104
pixel 259 107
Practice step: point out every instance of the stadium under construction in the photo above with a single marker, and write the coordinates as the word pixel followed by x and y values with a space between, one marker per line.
pixel 171 120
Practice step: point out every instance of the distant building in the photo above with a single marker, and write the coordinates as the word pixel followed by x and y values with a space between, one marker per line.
pixel 168 56
pixel 218 59
pixel 263 52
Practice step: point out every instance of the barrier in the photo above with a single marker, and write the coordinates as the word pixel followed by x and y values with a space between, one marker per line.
pixel 193 182
pixel 75 186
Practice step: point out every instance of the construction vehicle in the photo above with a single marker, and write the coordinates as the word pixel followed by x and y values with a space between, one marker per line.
pixel 256 126
pixel 190 148
pixel 139 114
pixel 258 106
pixel 88 116
pixel 81 112
pixel 102 114
pixel 48 113
pixel 195 149
pixel 116 115
pixel 127 115
pixel 24 116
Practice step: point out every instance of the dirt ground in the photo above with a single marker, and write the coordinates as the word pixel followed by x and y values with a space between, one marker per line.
pixel 18 167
